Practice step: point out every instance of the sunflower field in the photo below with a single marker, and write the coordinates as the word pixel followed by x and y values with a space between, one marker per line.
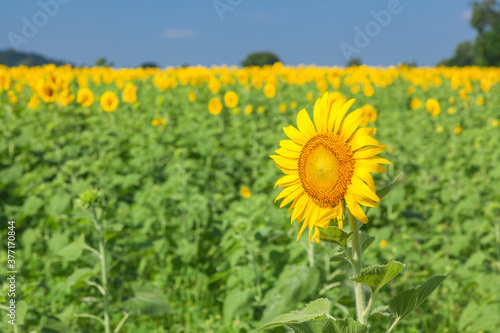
pixel 148 194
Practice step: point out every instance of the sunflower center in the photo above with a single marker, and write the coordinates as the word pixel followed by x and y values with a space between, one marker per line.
pixel 326 166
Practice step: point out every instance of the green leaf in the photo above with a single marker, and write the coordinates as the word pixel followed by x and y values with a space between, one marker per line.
pixel 315 310
pixel 236 302
pixel 388 188
pixel 376 276
pixel 147 300
pixel 73 251
pixel 338 258
pixel 366 240
pixel 381 310
pixel 58 204
pixel 347 325
pixel 408 300
pixel 335 236
pixel 22 309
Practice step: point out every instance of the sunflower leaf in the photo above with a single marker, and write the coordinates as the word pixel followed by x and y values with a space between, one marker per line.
pixel 366 240
pixel 408 300
pixel 376 276
pixel 388 188
pixel 315 310
pixel 315 318
pixel 335 236
pixel 381 310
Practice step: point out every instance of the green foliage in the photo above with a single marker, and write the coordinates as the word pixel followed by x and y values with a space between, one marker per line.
pixel 260 59
pixel 315 318
pixel 12 58
pixel 378 275
pixel 354 62
pixel 408 300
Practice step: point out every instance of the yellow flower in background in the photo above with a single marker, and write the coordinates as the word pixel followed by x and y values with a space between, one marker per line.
pixel 452 110
pixel 129 94
pixel 293 104
pixel 192 96
pixel 230 99
pixel 383 243
pixel 85 97
pixel 236 110
pixel 369 114
pixel 261 109
pixel 215 106
pixel 451 99
pixel 494 123
pixel 12 97
pixel 162 122
pixel 18 87
pixel 245 192
pixel 33 103
pixel 310 97
pixel 463 94
pixel 355 89
pixel 109 101
pixel 368 90
pixel 326 163
pixel 415 104
pixel 270 90
pixel 410 90
pixel 433 107
pixel 480 101
pixel 65 98
pixel 439 129
pixel 214 86
pixel 248 109
pixel 282 107
pixel 457 130
pixel 322 85
pixel 47 92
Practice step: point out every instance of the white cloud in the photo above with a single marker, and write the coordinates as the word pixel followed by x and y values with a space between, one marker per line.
pixel 466 15
pixel 174 33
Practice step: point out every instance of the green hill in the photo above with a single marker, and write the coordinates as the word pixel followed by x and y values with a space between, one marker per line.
pixel 13 58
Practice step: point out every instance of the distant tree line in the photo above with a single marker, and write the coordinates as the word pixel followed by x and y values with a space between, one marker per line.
pixel 485 49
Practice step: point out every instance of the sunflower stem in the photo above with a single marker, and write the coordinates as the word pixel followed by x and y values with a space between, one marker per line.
pixel 358 265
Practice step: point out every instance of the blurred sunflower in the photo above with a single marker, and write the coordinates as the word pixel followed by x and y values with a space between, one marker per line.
pixel 328 163
pixel 230 99
pixel 85 97
pixel 215 106
pixel 129 93
pixel 433 107
pixel 109 101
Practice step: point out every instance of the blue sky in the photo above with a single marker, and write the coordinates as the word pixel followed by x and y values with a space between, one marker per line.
pixel 208 32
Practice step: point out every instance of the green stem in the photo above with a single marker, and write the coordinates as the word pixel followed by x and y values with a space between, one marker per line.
pixel 366 313
pixel 393 324
pixel 104 275
pixel 358 265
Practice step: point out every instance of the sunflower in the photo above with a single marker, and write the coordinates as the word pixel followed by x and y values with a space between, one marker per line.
pixel 433 107
pixel 129 94
pixel 109 101
pixel 85 97
pixel 215 106
pixel 327 164
pixel 230 99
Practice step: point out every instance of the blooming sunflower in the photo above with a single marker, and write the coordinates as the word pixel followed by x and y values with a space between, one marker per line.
pixel 328 163
pixel 109 101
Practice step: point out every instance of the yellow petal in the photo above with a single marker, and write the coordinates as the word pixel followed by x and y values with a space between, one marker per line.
pixel 305 124
pixel 287 153
pixel 361 142
pixel 355 208
pixel 285 162
pixel 286 191
pixel 295 135
pixel 351 123
pixel 333 113
pixel 290 145
pixel 341 113
pixel 369 151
